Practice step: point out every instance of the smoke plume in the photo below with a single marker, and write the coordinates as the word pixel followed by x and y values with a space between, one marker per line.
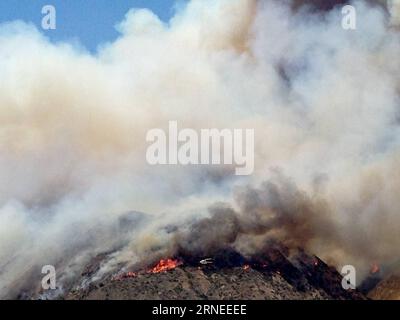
pixel 324 103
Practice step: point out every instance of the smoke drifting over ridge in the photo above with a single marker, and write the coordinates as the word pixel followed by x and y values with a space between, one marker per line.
pixel 324 103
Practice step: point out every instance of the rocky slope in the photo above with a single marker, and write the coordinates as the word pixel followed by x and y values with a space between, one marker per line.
pixel 387 289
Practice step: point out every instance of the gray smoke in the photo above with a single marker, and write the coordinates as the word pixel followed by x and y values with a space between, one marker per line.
pixel 324 103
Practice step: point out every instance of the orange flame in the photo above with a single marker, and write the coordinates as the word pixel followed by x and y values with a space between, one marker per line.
pixel 165 265
pixel 375 268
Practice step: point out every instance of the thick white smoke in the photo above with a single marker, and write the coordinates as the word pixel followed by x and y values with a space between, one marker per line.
pixel 324 103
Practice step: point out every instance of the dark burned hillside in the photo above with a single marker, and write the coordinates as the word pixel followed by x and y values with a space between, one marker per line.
pixel 227 275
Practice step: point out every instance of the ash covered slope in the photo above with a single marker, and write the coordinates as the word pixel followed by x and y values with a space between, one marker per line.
pixel 229 276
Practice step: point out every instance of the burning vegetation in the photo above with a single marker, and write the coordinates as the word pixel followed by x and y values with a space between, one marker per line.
pixel 277 273
pixel 165 265
pixel 327 179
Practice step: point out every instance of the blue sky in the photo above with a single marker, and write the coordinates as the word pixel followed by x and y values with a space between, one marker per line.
pixel 90 21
